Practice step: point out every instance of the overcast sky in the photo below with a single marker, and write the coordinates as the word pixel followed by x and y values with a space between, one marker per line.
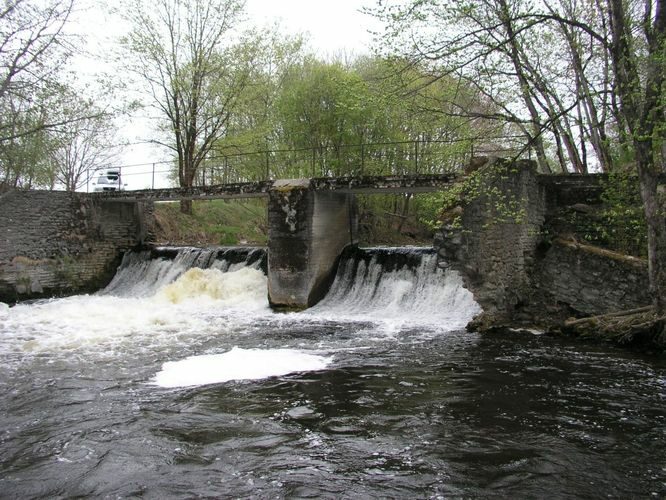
pixel 332 27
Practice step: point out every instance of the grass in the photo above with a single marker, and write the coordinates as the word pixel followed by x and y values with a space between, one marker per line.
pixel 244 222
pixel 214 222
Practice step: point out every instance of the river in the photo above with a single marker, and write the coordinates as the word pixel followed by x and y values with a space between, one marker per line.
pixel 177 381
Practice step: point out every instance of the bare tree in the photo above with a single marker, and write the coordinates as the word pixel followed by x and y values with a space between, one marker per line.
pixel 638 51
pixel 183 51
pixel 614 53
pixel 80 147
pixel 32 48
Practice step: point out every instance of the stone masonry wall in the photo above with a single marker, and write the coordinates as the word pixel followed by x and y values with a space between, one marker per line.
pixel 56 243
pixel 520 271
pixel 493 252
pixel 571 279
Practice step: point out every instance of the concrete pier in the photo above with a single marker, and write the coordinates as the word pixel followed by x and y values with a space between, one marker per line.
pixel 308 230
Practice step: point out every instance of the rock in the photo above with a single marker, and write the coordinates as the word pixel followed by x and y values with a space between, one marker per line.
pixel 36 286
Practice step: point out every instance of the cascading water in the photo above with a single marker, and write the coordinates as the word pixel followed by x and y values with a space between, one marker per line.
pixel 177 380
pixel 402 286
pixel 142 274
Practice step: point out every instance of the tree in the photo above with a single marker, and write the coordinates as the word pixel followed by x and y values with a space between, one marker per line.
pixel 37 108
pixel 528 59
pixel 322 108
pixel 638 52
pixel 614 52
pixel 81 146
pixel 23 157
pixel 183 52
pixel 32 48
pixel 254 125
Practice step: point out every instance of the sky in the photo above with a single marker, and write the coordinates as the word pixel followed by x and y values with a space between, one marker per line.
pixel 331 28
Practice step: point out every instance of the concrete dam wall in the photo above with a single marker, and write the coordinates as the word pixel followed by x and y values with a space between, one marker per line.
pixel 57 243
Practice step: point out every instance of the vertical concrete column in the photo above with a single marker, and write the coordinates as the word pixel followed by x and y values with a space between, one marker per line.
pixel 307 232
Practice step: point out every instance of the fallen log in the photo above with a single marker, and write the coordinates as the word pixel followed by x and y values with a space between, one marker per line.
pixel 641 327
pixel 628 312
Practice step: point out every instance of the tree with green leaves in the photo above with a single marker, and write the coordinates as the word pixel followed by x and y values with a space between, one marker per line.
pixel 614 53
pixel 323 108
pixel 187 58
pixel 254 126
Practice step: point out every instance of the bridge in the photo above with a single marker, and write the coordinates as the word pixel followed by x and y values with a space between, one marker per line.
pixel 367 184
pixel 310 222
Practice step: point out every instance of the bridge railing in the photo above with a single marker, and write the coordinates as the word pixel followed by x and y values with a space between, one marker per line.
pixel 383 158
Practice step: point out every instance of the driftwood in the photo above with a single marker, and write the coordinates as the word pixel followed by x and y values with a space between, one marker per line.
pixel 618 314
pixel 642 326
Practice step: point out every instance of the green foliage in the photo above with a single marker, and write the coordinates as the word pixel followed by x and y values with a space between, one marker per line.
pixel 317 117
pixel 394 219
pixel 214 222
pixel 623 226
pixel 485 184
pixel 52 156
pixel 325 106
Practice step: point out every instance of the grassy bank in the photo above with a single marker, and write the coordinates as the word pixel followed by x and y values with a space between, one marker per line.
pixel 244 222
pixel 214 222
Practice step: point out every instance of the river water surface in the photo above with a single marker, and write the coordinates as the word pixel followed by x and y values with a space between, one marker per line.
pixel 183 384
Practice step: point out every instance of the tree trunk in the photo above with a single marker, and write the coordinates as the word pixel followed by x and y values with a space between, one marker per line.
pixel 641 104
pixel 187 181
pixel 405 212
pixel 186 207
pixel 513 53
pixel 654 203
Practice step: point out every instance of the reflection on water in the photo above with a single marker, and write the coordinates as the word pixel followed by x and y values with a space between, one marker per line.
pixel 403 407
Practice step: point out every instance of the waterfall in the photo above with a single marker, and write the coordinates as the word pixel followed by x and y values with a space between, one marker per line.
pixel 400 285
pixel 142 274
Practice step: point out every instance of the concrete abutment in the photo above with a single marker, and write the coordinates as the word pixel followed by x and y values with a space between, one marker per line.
pixel 308 231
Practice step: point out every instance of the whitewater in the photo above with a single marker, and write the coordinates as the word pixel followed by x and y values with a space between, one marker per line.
pixel 164 303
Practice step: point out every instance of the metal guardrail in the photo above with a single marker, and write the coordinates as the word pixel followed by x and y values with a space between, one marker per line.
pixel 381 158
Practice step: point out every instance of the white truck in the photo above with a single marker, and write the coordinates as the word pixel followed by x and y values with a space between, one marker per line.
pixel 109 180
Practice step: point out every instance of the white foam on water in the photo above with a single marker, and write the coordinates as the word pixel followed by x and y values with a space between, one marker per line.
pixel 200 302
pixel 246 286
pixel 203 304
pixel 237 364
pixel 141 276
